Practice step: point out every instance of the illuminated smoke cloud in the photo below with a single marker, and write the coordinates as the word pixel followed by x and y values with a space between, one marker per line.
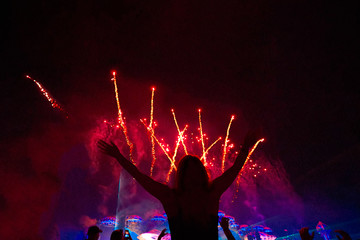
pixel 86 221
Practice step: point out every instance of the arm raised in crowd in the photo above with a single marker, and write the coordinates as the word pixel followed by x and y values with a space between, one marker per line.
pixel 221 183
pixel 225 226
pixel 162 234
pixel 344 235
pixel 155 188
pixel 305 235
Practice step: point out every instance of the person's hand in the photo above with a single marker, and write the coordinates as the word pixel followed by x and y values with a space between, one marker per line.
pixel 304 234
pixel 109 149
pixel 224 223
pixel 163 233
pixel 252 137
pixel 345 235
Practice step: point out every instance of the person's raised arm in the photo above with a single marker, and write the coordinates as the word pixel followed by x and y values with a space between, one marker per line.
pixel 221 183
pixel 305 235
pixel 155 188
pixel 225 226
pixel 344 235
pixel 162 234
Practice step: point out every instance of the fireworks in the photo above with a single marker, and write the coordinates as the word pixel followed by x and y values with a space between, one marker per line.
pixel 181 141
pixel 202 137
pixel 48 96
pixel 225 143
pixel 253 149
pixel 158 142
pixel 121 119
pixel 151 125
pixel 181 137
pixel 248 160
pixel 180 134
pixel 207 150
pixel 255 168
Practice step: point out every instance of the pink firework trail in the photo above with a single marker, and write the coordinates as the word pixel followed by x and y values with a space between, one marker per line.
pixel 202 137
pixel 244 166
pixel 225 143
pixel 48 96
pixel 151 125
pixel 159 143
pixel 180 134
pixel 207 150
pixel 248 158
pixel 179 139
pixel 121 119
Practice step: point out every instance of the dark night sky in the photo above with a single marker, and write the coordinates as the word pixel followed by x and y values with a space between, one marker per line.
pixel 288 66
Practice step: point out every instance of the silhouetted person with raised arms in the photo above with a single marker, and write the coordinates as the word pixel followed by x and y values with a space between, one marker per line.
pixel 192 206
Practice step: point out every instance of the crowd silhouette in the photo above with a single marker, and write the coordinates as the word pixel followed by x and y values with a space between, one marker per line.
pixel 93 233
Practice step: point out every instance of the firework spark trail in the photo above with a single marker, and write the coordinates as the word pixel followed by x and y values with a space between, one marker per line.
pixel 202 137
pixel 153 129
pixel 168 175
pixel 207 150
pixel 171 167
pixel 150 129
pixel 158 142
pixel 121 119
pixel 247 159
pixel 48 96
pixel 175 152
pixel 243 167
pixel 225 144
pixel 152 107
pixel 180 139
pixel 177 127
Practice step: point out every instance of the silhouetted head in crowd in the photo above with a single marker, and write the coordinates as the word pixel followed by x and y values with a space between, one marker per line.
pixel 117 235
pixel 191 175
pixel 94 233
